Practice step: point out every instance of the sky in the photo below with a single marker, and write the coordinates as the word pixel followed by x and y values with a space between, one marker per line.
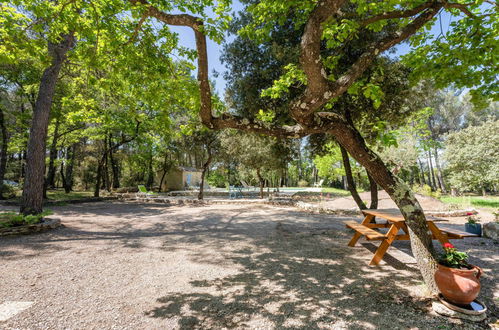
pixel 215 50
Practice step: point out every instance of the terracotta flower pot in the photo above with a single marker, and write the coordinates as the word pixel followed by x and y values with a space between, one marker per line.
pixel 458 286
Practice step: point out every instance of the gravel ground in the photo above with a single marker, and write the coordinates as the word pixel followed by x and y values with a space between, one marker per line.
pixel 118 265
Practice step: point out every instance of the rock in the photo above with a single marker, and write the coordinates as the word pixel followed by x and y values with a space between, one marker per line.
pixel 441 309
pixel 491 230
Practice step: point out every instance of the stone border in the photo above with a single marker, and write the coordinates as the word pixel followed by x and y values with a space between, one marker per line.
pixel 48 223
pixel 69 201
pixel 277 201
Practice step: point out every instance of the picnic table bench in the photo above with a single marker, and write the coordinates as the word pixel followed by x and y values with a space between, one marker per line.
pixel 395 223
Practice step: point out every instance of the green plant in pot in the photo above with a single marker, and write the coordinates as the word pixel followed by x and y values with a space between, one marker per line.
pixel 457 280
pixel 473 225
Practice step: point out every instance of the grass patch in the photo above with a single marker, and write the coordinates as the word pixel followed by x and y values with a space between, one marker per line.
pixel 60 195
pixel 313 196
pixel 490 202
pixel 338 192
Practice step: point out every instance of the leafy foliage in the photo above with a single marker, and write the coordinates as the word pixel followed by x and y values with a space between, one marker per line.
pixel 13 219
pixel 473 156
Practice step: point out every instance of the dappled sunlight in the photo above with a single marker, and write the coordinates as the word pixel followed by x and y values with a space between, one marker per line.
pixel 231 266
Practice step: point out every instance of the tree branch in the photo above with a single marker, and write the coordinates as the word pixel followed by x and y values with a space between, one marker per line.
pixel 462 7
pixel 338 87
pixel 196 24
pixel 397 14
pixel 310 57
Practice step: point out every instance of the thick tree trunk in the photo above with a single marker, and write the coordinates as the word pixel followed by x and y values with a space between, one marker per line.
pixel 206 165
pixel 401 194
pixel 32 198
pixel 373 186
pixel 3 152
pixel 350 182
pixel 439 172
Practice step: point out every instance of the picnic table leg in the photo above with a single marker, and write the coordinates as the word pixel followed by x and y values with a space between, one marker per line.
pixel 385 244
pixel 442 238
pixel 357 235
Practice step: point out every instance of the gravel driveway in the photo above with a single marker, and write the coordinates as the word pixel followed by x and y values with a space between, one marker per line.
pixel 118 265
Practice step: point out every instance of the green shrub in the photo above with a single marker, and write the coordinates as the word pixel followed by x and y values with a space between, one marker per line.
pixel 7 191
pixel 13 219
pixel 302 183
pixel 216 179
pixel 426 191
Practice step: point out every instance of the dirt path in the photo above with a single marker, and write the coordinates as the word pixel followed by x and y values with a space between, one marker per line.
pixel 145 266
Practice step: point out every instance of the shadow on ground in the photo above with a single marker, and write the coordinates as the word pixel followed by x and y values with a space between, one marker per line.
pixel 290 269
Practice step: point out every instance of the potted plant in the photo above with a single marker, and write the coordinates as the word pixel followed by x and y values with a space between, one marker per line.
pixel 473 226
pixel 457 280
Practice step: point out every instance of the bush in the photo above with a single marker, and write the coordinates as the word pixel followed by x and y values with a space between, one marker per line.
pixel 426 191
pixel 302 183
pixel 216 179
pixel 7 191
pixel 13 219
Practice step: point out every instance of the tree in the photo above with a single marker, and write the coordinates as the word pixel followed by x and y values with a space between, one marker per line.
pixel 324 21
pixel 260 153
pixel 472 156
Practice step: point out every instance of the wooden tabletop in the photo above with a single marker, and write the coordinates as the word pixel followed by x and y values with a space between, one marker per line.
pixel 394 215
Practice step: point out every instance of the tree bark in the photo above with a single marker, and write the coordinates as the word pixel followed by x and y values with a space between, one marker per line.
pixel 261 181
pixel 439 172
pixel 50 183
pixel 150 175
pixel 98 177
pixel 206 165
pixel 166 168
pixel 32 198
pixel 3 152
pixel 374 192
pixel 421 169
pixel 401 194
pixel 114 166
pixel 350 182
pixel 70 159
pixel 431 173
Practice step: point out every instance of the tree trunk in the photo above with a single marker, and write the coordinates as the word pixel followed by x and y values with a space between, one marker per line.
pixel 422 179
pixel 70 159
pixel 3 152
pixel 431 173
pixel 98 179
pixel 203 174
pixel 50 183
pixel 114 166
pixel 350 182
pixel 439 172
pixel 374 192
pixel 63 176
pixel 150 175
pixel 401 194
pixel 32 198
pixel 261 181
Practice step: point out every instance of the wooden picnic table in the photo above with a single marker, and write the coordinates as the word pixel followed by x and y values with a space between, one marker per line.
pixel 395 223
